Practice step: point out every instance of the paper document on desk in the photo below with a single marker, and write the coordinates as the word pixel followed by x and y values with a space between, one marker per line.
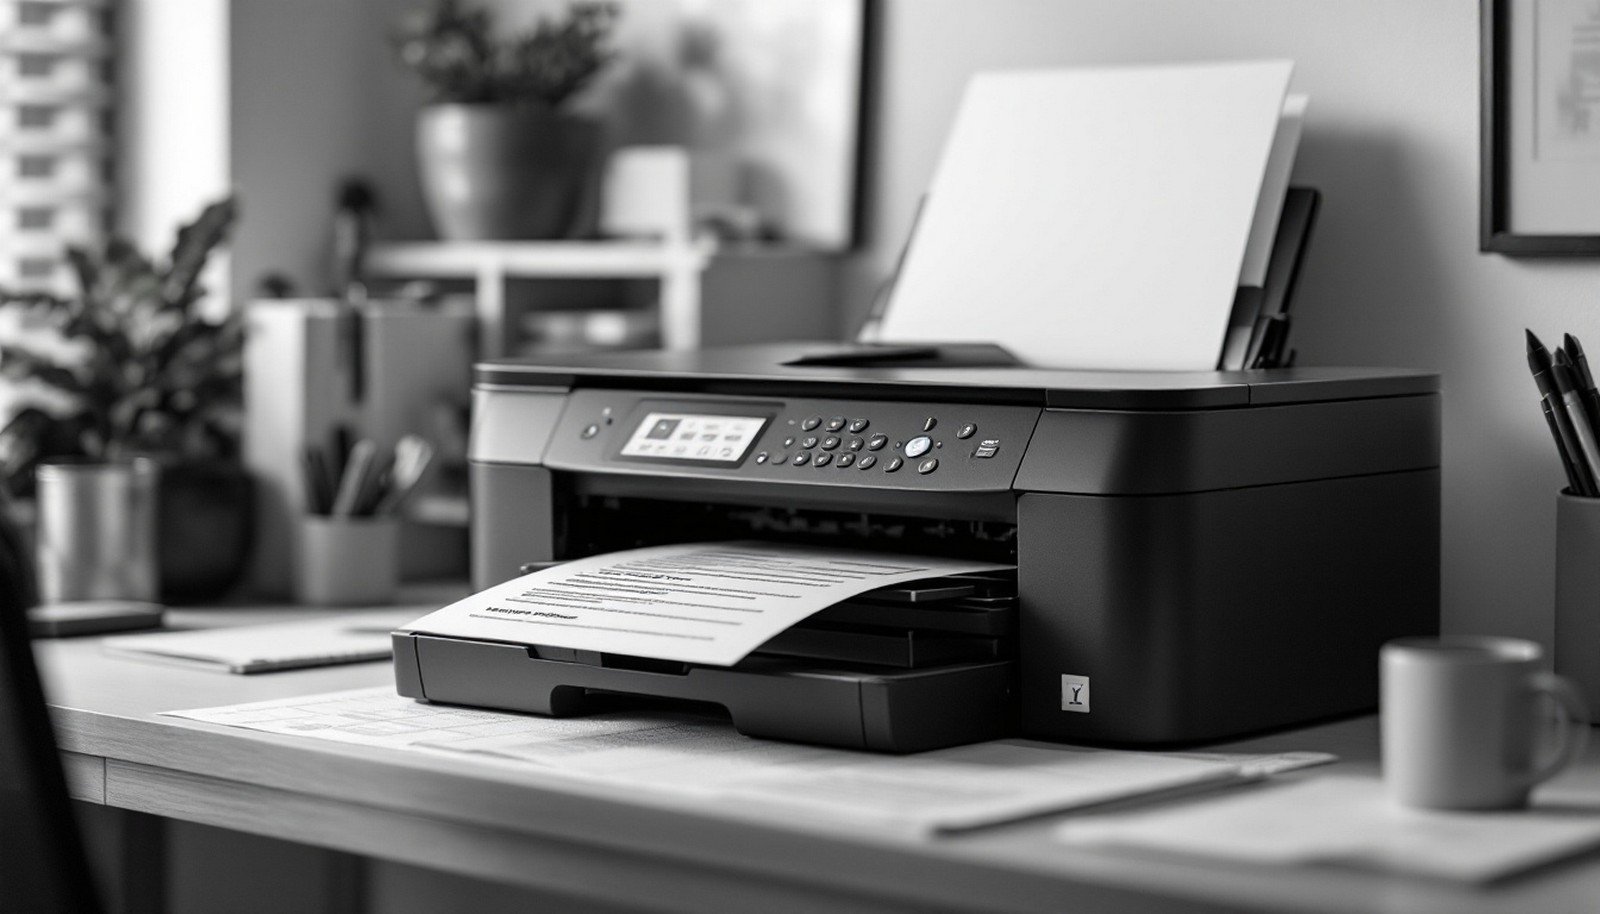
pixel 1347 821
pixel 683 754
pixel 268 648
pixel 709 603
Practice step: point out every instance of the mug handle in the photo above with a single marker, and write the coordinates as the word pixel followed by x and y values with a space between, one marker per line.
pixel 1573 726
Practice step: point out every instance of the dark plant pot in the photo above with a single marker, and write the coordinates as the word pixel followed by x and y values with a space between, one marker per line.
pixel 504 172
pixel 207 515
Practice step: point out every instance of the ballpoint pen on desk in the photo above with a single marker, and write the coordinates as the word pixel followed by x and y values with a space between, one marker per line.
pixel 1580 475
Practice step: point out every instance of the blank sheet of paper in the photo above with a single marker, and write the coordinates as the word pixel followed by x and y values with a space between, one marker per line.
pixel 1093 218
pixel 696 603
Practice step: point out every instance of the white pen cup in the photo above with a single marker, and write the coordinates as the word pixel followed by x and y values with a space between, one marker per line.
pixel 347 561
pixel 1463 718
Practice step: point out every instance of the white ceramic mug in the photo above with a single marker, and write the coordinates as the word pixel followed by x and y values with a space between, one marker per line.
pixel 1462 721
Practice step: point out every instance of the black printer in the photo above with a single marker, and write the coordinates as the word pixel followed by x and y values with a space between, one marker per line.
pixel 1198 555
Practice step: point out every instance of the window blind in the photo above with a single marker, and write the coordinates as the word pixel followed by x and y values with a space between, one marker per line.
pixel 56 126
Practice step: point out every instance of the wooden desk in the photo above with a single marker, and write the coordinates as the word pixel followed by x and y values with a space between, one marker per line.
pixel 646 850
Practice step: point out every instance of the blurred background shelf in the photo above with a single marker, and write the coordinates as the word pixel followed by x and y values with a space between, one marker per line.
pixel 678 265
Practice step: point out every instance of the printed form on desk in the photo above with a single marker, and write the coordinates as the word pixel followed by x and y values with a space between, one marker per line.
pixel 710 603
pixel 688 755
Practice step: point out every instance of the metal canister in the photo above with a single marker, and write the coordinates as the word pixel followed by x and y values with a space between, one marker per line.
pixel 97 530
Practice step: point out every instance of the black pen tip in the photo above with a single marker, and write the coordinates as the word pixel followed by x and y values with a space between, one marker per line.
pixel 1571 345
pixel 1561 358
pixel 1533 341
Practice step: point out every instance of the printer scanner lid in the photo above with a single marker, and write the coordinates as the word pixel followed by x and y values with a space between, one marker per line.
pixel 959 373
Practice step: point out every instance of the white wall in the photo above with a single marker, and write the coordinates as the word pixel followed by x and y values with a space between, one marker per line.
pixel 1394 276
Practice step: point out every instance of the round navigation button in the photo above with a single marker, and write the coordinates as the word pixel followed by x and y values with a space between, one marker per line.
pixel 779 459
pixel 829 443
pixel 918 446
pixel 801 459
pixel 894 463
pixel 823 459
pixel 928 466
pixel 836 423
pixel 859 425
pixel 809 441
pixel 929 423
pixel 846 459
pixel 763 457
pixel 966 431
pixel 876 442
pixel 866 462
pixel 589 431
pixel 811 423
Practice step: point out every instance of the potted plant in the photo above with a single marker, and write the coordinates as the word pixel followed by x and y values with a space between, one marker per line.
pixel 498 156
pixel 126 367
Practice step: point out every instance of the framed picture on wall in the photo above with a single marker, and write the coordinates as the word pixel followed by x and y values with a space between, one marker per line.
pixel 1540 127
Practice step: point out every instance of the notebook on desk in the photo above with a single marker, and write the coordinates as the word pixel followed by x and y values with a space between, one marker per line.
pixel 265 648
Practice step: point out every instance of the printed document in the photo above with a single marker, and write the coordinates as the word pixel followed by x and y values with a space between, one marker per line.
pixel 684 754
pixel 1347 821
pixel 709 603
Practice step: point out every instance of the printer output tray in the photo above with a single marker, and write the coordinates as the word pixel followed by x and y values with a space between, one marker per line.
pixel 883 711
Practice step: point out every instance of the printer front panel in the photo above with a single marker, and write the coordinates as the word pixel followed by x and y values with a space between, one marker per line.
pixel 802 442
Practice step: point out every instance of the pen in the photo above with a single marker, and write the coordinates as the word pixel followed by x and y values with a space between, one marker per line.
pixel 1566 460
pixel 1567 384
pixel 355 473
pixel 1566 435
pixel 1580 366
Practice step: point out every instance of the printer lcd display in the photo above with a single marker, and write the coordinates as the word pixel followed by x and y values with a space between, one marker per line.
pixel 689 436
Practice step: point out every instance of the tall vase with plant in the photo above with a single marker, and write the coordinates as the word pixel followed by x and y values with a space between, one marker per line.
pixel 127 367
pixel 499 154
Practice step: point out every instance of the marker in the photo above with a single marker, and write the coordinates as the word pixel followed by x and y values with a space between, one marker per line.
pixel 1566 461
pixel 1566 435
pixel 1567 384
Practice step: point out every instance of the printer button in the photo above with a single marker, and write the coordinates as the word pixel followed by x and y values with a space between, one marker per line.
pixel 589 431
pixel 811 423
pixel 810 441
pixel 789 441
pixel 966 431
pixel 876 442
pixel 894 463
pixel 855 444
pixel 830 442
pixel 763 457
pixel 929 423
pixel 801 459
pixel 918 446
pixel 779 459
pixel 866 462
pixel 845 460
pixel 857 426
pixel 987 447
pixel 928 466
pixel 823 459
pixel 836 423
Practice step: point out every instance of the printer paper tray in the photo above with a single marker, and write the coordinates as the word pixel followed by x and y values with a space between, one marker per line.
pixel 883 711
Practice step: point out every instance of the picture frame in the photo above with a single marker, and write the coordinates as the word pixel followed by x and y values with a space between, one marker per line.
pixel 1540 127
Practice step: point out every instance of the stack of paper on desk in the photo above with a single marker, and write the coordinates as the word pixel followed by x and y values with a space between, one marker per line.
pixel 964 787
pixel 710 603
pixel 1101 218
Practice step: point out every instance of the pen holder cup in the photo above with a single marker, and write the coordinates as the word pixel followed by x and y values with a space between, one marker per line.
pixel 347 561
pixel 1577 629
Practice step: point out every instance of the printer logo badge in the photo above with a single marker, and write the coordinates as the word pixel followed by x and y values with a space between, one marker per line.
pixel 1075 693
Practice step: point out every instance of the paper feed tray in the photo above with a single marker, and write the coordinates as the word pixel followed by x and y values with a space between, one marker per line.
pixel 881 710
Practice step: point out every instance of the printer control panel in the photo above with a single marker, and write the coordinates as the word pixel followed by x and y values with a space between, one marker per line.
pixel 950 446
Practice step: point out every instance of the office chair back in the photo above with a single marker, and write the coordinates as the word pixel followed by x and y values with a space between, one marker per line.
pixel 43 867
